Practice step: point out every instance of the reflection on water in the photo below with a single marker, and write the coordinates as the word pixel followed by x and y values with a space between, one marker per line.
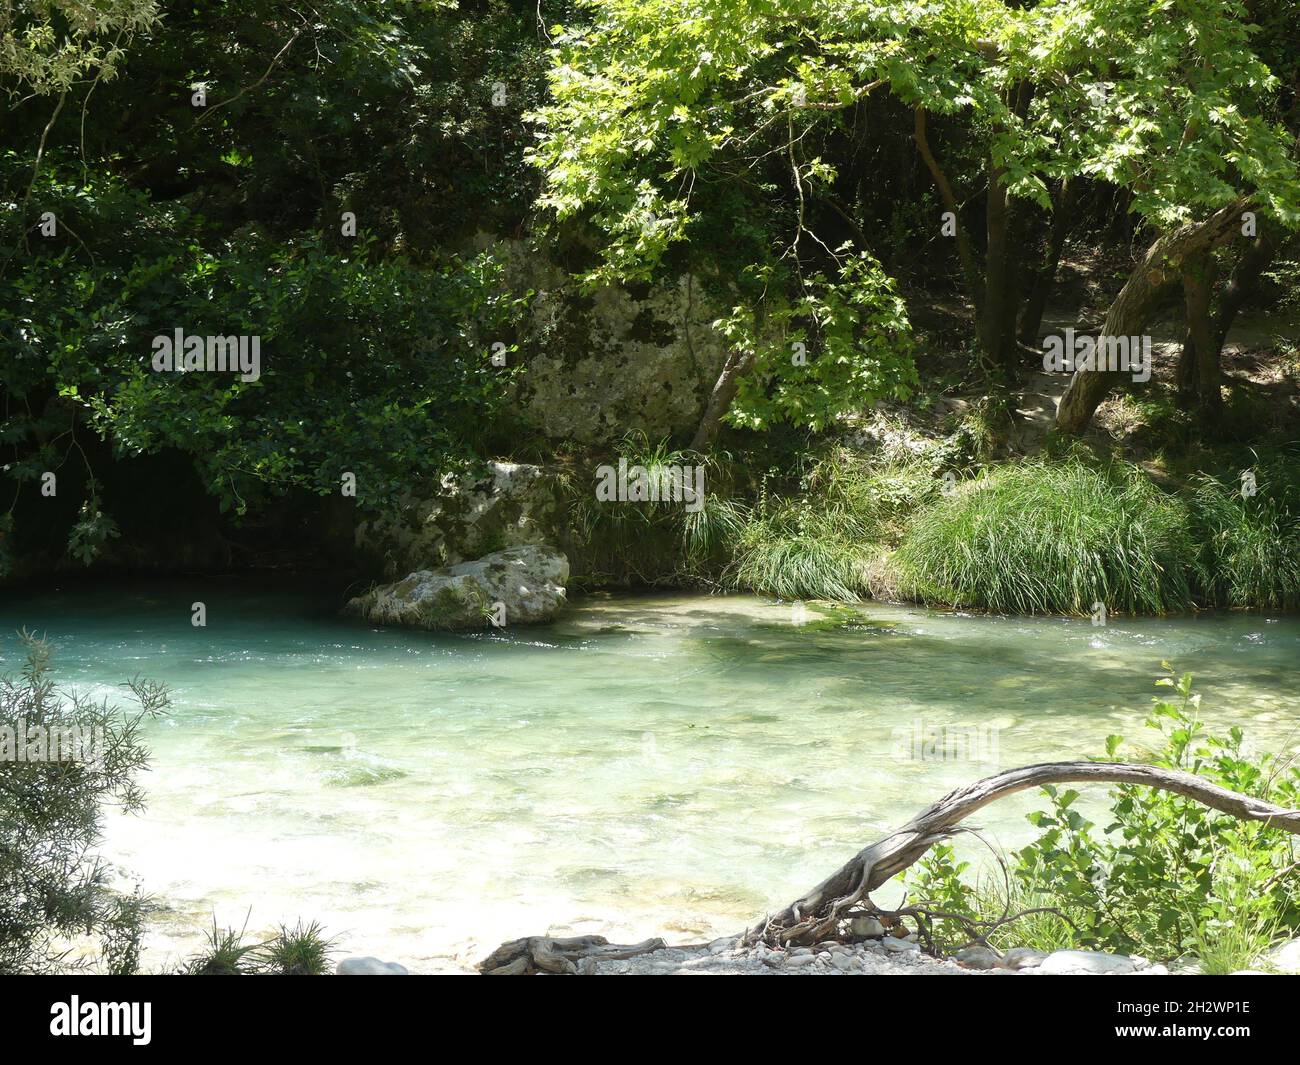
pixel 666 765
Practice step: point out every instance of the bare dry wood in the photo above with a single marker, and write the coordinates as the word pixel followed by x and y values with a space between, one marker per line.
pixel 525 957
pixel 817 915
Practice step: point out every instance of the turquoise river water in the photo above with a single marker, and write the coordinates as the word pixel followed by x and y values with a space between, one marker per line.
pixel 650 765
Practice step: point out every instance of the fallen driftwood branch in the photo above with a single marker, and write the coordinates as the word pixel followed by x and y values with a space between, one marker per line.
pixel 818 914
pixel 524 957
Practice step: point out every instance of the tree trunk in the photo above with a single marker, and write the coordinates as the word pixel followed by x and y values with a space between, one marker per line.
pixel 812 917
pixel 1044 276
pixel 1245 276
pixel 965 253
pixel 1130 311
pixel 1199 350
pixel 720 399
pixel 818 914
pixel 997 279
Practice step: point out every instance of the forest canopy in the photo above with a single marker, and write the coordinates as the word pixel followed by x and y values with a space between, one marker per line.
pixel 338 180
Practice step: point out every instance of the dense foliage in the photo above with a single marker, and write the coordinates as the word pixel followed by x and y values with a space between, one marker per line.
pixel 1165 877
pixel 55 889
pixel 336 184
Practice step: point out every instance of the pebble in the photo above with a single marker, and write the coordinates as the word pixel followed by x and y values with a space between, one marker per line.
pixel 978 957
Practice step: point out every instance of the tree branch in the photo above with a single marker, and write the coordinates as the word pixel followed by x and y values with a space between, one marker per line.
pixel 817 914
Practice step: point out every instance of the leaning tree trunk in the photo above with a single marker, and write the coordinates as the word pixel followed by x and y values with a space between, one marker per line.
pixel 1130 311
pixel 818 914
pixel 965 253
pixel 720 399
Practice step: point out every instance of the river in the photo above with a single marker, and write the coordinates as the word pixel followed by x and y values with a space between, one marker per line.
pixel 650 765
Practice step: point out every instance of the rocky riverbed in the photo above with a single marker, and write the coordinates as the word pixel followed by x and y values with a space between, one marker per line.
pixel 871 957
pixel 885 956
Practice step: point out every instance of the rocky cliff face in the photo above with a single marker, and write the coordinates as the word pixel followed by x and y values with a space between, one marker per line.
pixel 511 504
pixel 598 366
pixel 621 359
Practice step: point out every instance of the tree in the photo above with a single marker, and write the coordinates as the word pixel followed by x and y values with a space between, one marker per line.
pixel 207 186
pixel 48 47
pixel 1187 127
pixel 683 134
pixel 53 886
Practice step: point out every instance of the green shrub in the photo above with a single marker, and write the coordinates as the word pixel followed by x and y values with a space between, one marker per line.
pixel 1033 917
pixel 1039 538
pixel 54 890
pixel 1166 878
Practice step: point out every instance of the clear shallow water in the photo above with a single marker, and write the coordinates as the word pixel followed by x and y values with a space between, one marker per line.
pixel 650 765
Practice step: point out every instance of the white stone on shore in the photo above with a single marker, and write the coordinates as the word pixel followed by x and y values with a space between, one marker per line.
pixel 1286 958
pixel 1075 962
pixel 368 966
pixel 524 584
pixel 866 928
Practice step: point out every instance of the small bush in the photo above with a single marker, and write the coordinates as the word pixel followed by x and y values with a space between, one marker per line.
pixel 1038 538
pixel 54 890
pixel 1167 877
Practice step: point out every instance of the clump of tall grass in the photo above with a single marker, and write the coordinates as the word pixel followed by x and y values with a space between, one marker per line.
pixel 1251 554
pixel 826 542
pixel 225 954
pixel 301 950
pixel 801 553
pixel 652 542
pixel 1038 538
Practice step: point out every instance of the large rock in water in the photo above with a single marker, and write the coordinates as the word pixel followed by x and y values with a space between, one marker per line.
pixel 512 587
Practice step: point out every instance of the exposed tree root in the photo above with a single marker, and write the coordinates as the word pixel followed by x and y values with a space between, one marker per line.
pixel 524 957
pixel 819 914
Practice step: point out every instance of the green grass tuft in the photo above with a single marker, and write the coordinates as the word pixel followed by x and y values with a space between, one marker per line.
pixel 301 950
pixel 1035 538
pixel 1251 554
pixel 825 543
